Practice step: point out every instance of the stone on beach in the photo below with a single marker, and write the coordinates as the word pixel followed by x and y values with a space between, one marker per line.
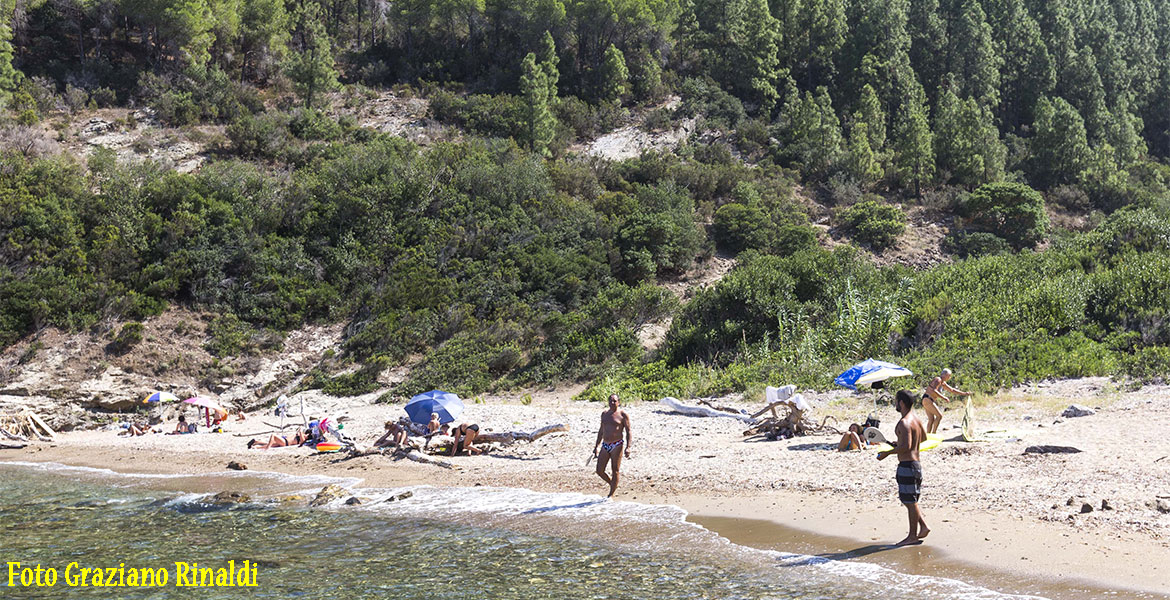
pixel 1076 410
pixel 237 466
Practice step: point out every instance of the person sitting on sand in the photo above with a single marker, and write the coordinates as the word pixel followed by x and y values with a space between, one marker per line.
pixel 933 394
pixel 240 415
pixel 434 424
pixel 851 440
pixel 465 435
pixel 183 427
pixel 280 441
pixel 396 435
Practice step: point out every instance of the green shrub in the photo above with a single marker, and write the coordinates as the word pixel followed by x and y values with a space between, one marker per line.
pixel 309 124
pixel 792 238
pixel 873 222
pixel 262 135
pixel 493 116
pixel 705 98
pixel 1012 211
pixel 128 336
pixel 738 228
pixel 980 243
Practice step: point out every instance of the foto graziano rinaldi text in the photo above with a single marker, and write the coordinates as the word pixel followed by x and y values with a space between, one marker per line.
pixel 183 574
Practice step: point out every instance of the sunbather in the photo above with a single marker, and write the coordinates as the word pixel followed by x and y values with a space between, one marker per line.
pixel 465 435
pixel 280 441
pixel 184 427
pixel 852 439
pixel 136 428
pixel 396 435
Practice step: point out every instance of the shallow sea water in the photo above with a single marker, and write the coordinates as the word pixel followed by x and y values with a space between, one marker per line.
pixel 498 543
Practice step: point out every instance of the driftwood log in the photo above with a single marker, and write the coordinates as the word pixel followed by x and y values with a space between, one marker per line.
pixel 512 437
pixel 702 411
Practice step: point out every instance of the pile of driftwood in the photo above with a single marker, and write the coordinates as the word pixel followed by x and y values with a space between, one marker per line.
pixel 795 421
pixel 442 444
pixel 24 426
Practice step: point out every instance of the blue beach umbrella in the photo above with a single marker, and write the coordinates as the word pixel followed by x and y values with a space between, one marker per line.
pixel 448 405
pixel 160 397
pixel 870 371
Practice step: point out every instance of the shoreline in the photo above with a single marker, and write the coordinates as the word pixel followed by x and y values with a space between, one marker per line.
pixel 1001 552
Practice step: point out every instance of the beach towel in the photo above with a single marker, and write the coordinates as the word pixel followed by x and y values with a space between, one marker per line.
pixel 788 392
pixel 991 435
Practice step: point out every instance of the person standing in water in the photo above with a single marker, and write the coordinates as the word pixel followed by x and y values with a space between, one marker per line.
pixel 609 438
pixel 909 474
pixel 933 394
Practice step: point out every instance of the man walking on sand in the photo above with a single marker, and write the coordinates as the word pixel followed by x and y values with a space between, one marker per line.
pixel 933 394
pixel 609 437
pixel 909 475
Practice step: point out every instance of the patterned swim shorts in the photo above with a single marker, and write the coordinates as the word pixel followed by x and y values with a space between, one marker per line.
pixel 909 478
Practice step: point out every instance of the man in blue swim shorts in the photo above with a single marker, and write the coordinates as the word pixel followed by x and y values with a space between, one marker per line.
pixel 910 434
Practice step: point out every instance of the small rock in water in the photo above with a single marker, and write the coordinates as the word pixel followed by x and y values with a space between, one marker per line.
pixel 1086 508
pixel 327 494
pixel 1076 410
pixel 353 500
pixel 237 466
pixel 227 498
pixel 402 496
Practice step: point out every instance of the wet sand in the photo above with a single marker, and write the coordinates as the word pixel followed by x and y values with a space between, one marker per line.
pixel 924 559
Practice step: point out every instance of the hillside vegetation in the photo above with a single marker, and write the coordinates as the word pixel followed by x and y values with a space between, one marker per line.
pixel 499 258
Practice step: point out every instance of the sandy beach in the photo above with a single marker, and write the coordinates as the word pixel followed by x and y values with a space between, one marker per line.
pixel 999 517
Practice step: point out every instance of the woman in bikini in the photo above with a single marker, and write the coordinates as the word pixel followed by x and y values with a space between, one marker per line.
pixel 280 441
pixel 465 435
pixel 933 394
pixel 852 439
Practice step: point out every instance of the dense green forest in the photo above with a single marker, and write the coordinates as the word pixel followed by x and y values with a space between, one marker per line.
pixel 505 260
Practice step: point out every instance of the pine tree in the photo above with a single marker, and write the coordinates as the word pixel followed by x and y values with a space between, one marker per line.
pixel 264 36
pixel 549 62
pixel 541 122
pixel 615 76
pixel 754 35
pixel 1082 87
pixel 862 161
pixel 928 42
pixel 1060 148
pixel 1028 71
pixel 869 111
pixel 312 69
pixel 1123 132
pixel 913 141
pixel 810 133
pixel 966 141
pixel 9 76
pixel 974 60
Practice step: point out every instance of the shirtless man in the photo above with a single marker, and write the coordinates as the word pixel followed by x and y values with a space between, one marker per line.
pixel 909 475
pixel 933 394
pixel 609 438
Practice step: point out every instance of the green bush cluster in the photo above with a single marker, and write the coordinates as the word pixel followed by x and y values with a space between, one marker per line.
pixel 873 222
